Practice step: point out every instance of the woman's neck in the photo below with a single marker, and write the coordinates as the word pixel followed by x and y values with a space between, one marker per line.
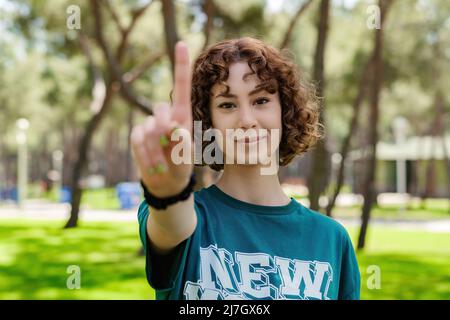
pixel 246 183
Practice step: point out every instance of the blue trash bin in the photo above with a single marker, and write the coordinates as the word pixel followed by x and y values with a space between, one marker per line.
pixel 9 194
pixel 65 195
pixel 14 195
pixel 129 194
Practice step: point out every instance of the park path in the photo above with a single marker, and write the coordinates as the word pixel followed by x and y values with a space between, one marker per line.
pixel 42 210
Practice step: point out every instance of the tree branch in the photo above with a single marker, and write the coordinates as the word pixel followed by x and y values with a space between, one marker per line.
pixel 115 16
pixel 290 29
pixel 99 87
pixel 135 15
pixel 363 87
pixel 137 71
pixel 208 9
pixel 170 29
pixel 127 92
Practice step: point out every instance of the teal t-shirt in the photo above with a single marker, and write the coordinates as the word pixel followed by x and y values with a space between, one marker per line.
pixel 241 250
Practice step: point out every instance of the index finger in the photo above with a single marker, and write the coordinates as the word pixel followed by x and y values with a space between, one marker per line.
pixel 182 110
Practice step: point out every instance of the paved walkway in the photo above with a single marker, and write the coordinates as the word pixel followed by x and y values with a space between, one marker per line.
pixel 41 210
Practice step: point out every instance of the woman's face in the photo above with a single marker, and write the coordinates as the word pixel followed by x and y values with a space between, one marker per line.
pixel 246 108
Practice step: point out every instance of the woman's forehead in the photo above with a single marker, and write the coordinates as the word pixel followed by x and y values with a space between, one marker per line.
pixel 241 72
pixel 240 76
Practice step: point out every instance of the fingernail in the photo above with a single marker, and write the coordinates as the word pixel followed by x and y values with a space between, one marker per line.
pixel 163 140
pixel 175 129
pixel 160 168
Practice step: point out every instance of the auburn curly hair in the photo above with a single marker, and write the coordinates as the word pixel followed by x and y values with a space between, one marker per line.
pixel 300 108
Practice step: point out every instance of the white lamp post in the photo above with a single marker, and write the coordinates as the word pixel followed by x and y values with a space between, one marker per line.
pixel 58 157
pixel 22 126
pixel 336 159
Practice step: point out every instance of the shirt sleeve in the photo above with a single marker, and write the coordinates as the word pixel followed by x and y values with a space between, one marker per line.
pixel 350 278
pixel 162 271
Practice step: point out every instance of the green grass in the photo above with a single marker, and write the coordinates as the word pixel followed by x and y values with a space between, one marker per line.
pixel 104 198
pixel 34 256
pixel 101 199
pixel 413 264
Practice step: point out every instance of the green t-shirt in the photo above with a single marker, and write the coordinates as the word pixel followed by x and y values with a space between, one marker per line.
pixel 241 250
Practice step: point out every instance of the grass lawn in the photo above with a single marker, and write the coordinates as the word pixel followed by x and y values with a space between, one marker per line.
pixel 104 198
pixel 413 264
pixel 35 255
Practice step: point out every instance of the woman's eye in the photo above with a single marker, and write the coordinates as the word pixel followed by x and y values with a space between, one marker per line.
pixel 226 106
pixel 262 101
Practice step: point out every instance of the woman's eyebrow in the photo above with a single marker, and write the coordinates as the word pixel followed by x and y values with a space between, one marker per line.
pixel 230 95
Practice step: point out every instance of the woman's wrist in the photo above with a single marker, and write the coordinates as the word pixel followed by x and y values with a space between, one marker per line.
pixel 162 203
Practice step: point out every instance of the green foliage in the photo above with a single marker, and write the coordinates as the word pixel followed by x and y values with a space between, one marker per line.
pixel 45 77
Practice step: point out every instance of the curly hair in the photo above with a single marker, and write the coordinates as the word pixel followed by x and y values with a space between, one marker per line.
pixel 300 108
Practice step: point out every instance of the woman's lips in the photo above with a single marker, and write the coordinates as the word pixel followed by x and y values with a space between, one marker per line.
pixel 251 139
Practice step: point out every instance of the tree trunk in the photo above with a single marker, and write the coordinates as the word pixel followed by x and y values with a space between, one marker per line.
pixel 208 9
pixel 440 128
pixel 170 29
pixel 82 160
pixel 101 103
pixel 447 165
pixel 430 180
pixel 112 172
pixel 318 176
pixel 288 34
pixel 369 189
pixel 362 89
pixel 436 130
pixel 129 159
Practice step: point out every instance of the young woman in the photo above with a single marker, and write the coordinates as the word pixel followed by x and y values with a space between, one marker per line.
pixel 242 237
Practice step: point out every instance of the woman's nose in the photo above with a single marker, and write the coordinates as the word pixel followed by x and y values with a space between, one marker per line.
pixel 247 118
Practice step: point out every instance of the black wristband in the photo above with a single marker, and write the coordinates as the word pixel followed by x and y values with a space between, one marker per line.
pixel 163 203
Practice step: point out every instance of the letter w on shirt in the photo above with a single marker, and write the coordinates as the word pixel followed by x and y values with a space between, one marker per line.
pixel 309 279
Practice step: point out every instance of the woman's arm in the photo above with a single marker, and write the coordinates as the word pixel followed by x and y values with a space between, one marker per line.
pixel 166 229
pixel 152 150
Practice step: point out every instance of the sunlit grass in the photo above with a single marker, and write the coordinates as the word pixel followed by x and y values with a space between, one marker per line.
pixel 104 198
pixel 35 255
pixel 413 264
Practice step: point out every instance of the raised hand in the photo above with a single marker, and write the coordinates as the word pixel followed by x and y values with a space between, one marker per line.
pixel 151 143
